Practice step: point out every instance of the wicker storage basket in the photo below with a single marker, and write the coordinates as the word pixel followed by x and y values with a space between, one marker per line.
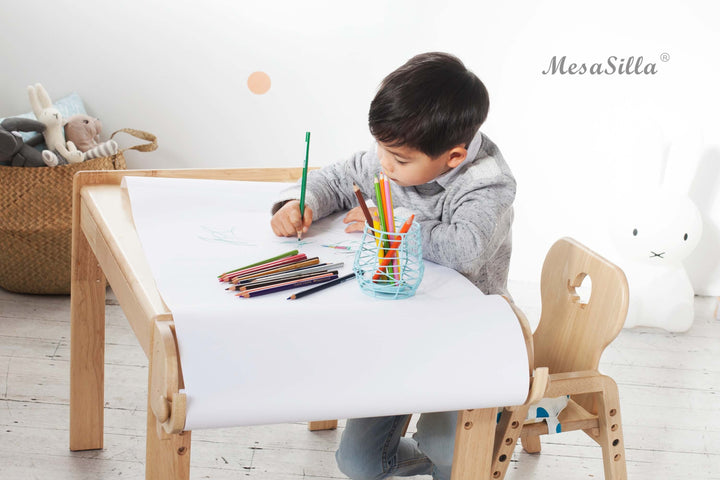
pixel 36 221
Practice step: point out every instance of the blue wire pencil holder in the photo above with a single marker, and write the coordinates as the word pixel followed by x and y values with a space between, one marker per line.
pixel 389 265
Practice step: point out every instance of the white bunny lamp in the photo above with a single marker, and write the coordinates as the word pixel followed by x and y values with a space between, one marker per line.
pixel 653 233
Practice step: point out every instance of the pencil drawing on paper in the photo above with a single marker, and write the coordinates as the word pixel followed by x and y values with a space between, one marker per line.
pixel 294 241
pixel 225 235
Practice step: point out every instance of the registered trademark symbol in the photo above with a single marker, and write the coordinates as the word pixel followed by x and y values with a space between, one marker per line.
pixel 665 57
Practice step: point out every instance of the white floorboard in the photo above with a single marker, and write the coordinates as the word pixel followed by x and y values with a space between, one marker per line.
pixel 669 391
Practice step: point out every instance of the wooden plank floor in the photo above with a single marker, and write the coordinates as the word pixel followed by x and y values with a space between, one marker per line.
pixel 669 390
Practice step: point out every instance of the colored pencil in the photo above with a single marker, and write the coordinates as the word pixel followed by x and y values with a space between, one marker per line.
pixel 337 247
pixel 321 267
pixel 389 219
pixel 286 276
pixel 268 266
pixel 381 212
pixel 290 285
pixel 300 257
pixel 278 270
pixel 254 279
pixel 393 246
pixel 293 269
pixel 303 186
pixel 376 226
pixel 308 262
pixel 263 266
pixel 389 215
pixel 381 182
pixel 250 287
pixel 363 205
pixel 287 282
pixel 329 284
pixel 277 257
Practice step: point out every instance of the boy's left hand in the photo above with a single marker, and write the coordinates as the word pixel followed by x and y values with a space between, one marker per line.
pixel 356 219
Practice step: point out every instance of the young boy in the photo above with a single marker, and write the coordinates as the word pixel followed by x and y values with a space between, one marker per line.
pixel 425 118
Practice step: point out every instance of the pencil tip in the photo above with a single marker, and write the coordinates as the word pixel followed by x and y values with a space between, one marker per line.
pixel 291 297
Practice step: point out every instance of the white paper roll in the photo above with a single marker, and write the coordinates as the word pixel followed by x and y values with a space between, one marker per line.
pixel 335 354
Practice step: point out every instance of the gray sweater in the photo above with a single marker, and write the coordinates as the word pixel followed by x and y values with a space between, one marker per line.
pixel 465 215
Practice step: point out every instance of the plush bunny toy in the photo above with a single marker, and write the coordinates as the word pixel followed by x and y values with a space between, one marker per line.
pixel 54 137
pixel 84 132
pixel 653 233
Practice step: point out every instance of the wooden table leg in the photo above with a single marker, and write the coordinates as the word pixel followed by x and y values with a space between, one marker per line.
pixel 167 456
pixel 474 440
pixel 87 346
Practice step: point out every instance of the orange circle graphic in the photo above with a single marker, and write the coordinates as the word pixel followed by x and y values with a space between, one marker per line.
pixel 258 82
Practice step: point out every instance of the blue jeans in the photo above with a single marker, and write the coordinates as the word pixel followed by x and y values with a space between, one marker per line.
pixel 371 448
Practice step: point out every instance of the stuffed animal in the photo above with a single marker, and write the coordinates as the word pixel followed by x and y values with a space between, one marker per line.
pixel 653 232
pixel 54 138
pixel 84 132
pixel 15 152
pixel 548 410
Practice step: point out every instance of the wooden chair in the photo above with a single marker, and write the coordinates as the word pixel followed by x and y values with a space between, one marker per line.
pixel 569 340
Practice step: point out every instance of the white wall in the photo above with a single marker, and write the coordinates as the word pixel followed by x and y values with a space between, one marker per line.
pixel 179 70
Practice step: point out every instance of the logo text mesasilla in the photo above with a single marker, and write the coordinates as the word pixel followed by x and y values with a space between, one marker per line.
pixel 611 66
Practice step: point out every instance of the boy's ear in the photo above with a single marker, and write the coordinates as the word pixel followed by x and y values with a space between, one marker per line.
pixel 456 156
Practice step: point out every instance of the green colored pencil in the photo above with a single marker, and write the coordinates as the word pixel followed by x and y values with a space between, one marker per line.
pixel 304 182
pixel 381 213
pixel 277 257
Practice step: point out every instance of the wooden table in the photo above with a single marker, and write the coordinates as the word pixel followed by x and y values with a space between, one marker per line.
pixel 106 247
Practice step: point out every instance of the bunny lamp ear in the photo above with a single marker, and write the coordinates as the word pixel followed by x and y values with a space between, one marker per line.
pixel 43 96
pixel 682 160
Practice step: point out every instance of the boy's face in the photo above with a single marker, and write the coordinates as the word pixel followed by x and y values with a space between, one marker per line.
pixel 409 167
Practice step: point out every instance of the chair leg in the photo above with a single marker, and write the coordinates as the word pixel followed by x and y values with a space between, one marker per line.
pixel 611 436
pixel 531 443
pixel 508 430
pixel 474 437
pixel 407 424
pixel 322 425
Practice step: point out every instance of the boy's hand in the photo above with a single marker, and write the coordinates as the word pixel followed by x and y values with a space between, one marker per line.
pixel 356 219
pixel 287 223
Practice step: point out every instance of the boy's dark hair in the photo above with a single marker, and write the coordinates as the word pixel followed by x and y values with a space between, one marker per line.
pixel 432 104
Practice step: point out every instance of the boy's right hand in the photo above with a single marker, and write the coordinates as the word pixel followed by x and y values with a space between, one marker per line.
pixel 287 222
pixel 356 219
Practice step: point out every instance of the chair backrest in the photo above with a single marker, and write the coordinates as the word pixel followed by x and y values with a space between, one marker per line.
pixel 572 335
